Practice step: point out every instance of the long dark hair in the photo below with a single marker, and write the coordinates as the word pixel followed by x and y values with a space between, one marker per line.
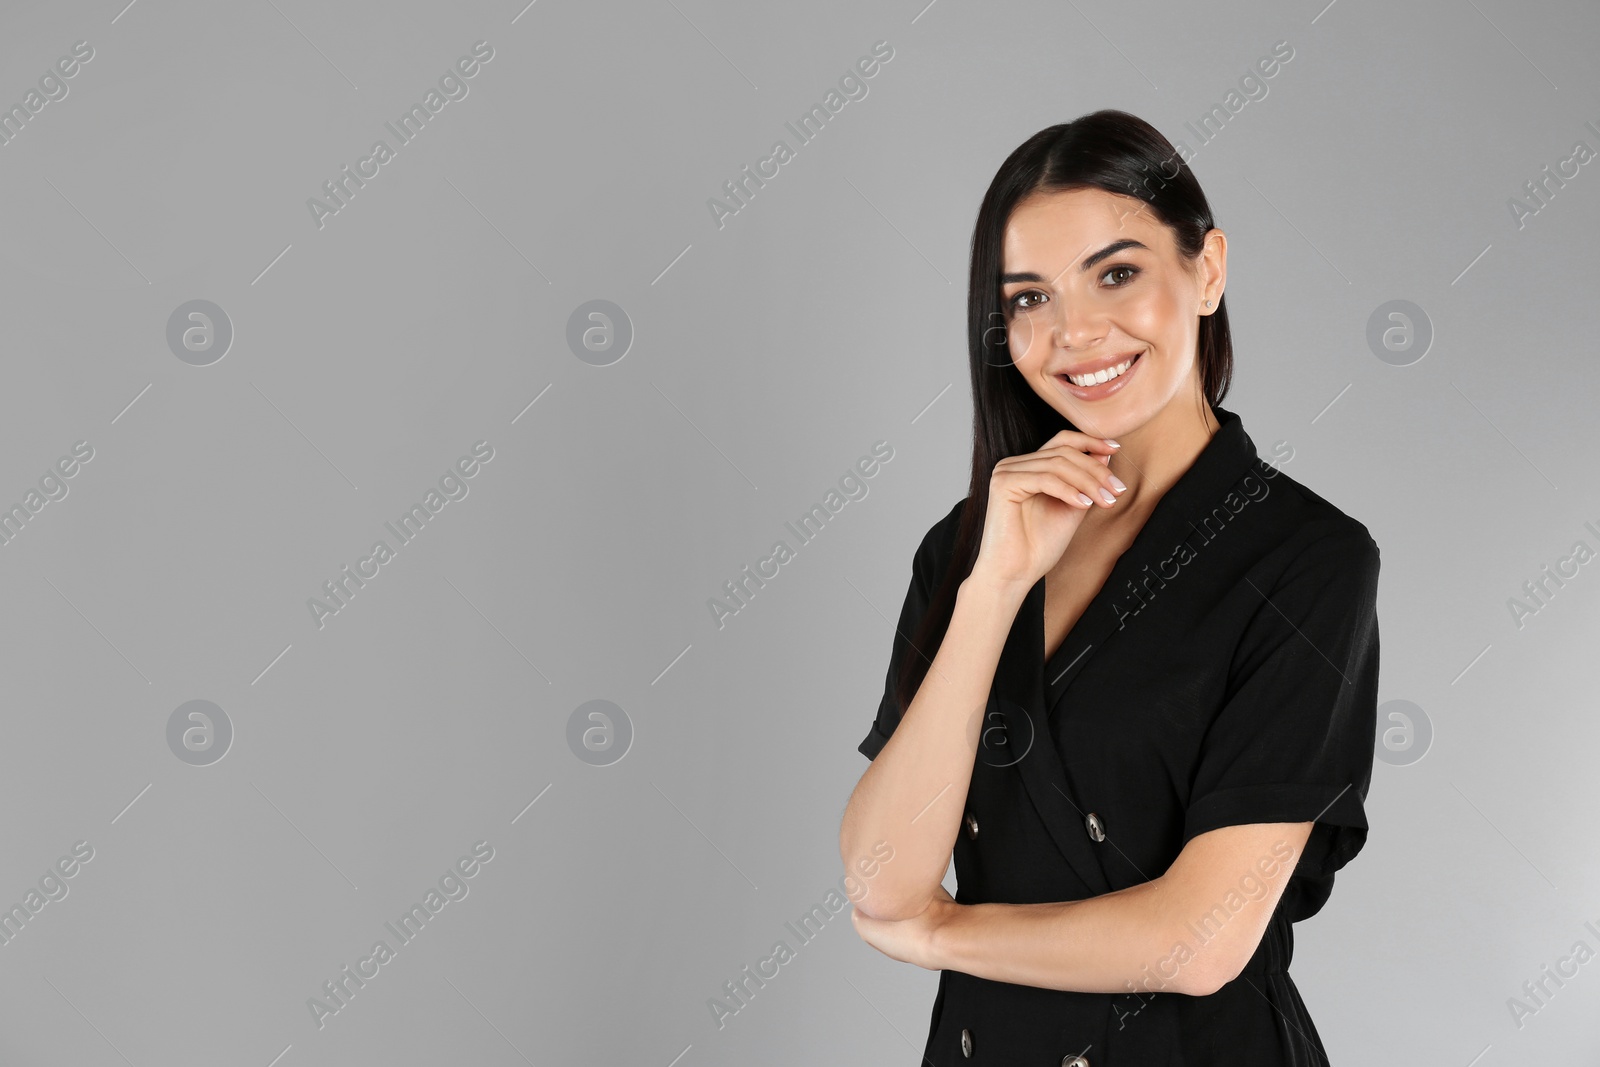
pixel 1110 150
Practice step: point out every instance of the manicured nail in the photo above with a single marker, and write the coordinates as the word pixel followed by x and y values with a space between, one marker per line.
pixel 1107 495
pixel 1110 442
pixel 1116 483
pixel 1086 501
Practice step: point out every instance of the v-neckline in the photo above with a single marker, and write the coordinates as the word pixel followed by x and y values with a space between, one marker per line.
pixel 1225 457
pixel 1089 606
pixel 1044 596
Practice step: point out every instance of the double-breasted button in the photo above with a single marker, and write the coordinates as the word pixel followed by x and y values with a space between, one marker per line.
pixel 972 825
pixel 1097 832
pixel 966 1044
pixel 1075 1061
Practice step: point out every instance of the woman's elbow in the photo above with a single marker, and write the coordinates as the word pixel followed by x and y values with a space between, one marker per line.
pixel 879 903
pixel 864 866
pixel 871 883
pixel 1208 971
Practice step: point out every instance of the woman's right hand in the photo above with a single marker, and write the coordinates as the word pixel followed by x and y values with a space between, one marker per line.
pixel 1037 501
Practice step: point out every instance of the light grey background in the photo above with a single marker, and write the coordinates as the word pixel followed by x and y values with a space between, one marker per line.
pixel 768 356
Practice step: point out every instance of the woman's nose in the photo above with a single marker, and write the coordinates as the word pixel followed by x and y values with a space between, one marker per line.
pixel 1077 324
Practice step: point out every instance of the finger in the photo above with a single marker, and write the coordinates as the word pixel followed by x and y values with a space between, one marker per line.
pixel 1082 486
pixel 1095 447
pixel 1023 484
pixel 1068 451
pixel 1078 439
pixel 1089 477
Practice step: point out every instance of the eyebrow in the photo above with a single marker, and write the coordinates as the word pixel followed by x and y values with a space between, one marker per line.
pixel 1088 261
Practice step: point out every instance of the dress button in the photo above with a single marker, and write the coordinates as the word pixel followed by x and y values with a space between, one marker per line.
pixel 1075 1061
pixel 966 1044
pixel 1097 832
pixel 972 825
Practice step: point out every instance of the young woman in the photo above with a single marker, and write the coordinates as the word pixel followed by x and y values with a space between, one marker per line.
pixel 1133 686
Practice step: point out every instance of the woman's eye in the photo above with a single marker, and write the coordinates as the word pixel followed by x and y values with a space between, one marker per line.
pixel 1031 298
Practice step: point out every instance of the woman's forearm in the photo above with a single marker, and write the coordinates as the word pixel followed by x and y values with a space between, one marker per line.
pixel 1129 941
pixel 913 795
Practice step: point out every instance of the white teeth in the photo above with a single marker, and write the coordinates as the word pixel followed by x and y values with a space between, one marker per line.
pixel 1085 380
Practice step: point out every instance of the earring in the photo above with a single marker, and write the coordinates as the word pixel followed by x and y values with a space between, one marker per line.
pixel 1208 303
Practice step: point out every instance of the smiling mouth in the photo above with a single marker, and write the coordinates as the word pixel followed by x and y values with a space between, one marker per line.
pixel 1083 381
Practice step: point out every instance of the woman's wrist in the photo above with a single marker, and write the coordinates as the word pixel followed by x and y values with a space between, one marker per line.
pixel 997 591
pixel 943 935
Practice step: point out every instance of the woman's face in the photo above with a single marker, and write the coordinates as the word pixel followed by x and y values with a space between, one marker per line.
pixel 1089 280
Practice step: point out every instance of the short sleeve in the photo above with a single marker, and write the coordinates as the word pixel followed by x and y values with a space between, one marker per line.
pixel 1294 739
pixel 918 595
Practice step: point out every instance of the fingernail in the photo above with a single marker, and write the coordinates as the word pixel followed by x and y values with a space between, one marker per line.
pixel 1107 495
pixel 1117 483
pixel 1086 501
pixel 1112 443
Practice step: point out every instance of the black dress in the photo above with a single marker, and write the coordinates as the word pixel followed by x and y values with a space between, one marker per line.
pixel 1226 673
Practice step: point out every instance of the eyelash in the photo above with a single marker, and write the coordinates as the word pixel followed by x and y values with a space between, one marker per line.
pixel 1132 272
